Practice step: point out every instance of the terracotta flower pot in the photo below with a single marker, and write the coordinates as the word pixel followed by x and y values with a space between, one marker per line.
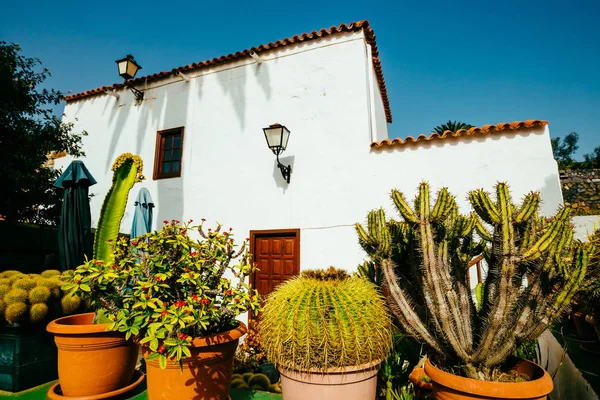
pixel 447 386
pixel 417 377
pixel 91 361
pixel 352 383
pixel 206 375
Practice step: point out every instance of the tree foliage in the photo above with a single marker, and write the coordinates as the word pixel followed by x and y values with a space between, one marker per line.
pixel 29 132
pixel 564 151
pixel 451 126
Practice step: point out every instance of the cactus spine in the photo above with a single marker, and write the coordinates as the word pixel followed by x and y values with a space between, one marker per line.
pixel 315 324
pixel 127 171
pixel 426 272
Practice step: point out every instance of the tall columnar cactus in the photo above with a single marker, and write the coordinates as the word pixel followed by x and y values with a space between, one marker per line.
pixel 127 171
pixel 424 259
pixel 325 320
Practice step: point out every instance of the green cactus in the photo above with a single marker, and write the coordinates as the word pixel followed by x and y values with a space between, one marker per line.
pixel 34 298
pixel 257 387
pixel 260 380
pixel 369 271
pixel 310 324
pixel 246 376
pixel 424 260
pixel 70 304
pixel 50 272
pixel 39 294
pixel 237 376
pixel 238 383
pixel 15 312
pixel 38 312
pixel 274 388
pixel 16 296
pixel 127 171
pixel 8 273
pixel 24 283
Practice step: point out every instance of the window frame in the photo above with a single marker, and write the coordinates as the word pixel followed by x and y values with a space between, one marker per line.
pixel 159 153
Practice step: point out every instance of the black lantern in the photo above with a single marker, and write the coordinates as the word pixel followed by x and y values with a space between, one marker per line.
pixel 127 70
pixel 277 137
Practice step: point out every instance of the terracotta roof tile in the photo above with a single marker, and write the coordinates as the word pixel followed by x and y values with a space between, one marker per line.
pixel 352 27
pixel 485 130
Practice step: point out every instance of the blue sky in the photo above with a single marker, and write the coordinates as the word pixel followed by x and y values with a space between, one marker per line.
pixel 481 62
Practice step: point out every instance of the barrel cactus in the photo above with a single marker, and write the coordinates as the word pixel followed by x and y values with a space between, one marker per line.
pixel 325 320
pixel 425 255
pixel 127 171
pixel 34 298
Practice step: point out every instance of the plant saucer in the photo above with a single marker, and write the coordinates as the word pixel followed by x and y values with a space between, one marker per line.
pixel 55 393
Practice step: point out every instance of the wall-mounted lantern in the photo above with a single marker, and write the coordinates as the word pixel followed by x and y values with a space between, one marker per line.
pixel 127 70
pixel 277 137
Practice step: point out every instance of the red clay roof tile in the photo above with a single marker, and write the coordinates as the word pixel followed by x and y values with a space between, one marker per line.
pixel 485 130
pixel 352 27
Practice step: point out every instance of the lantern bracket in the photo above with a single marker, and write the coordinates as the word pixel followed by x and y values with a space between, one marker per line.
pixel 139 95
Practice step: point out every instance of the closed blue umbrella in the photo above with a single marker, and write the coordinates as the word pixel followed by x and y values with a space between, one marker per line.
pixel 75 239
pixel 142 217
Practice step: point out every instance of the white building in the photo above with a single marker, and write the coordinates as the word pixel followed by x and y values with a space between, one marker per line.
pixel 327 88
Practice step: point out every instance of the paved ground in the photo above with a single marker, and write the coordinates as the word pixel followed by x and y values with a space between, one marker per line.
pixel 39 393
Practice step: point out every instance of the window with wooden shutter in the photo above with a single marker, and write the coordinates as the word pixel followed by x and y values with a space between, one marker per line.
pixel 169 148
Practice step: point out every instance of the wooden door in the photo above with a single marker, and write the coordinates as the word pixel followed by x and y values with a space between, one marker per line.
pixel 277 253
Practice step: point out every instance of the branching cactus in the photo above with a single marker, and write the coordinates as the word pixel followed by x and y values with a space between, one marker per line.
pixel 323 320
pixel 127 171
pixel 424 259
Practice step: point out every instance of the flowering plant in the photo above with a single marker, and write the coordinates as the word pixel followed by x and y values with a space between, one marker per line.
pixel 165 288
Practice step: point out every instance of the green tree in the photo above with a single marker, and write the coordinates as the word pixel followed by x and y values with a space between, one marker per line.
pixel 451 126
pixel 593 158
pixel 29 132
pixel 565 149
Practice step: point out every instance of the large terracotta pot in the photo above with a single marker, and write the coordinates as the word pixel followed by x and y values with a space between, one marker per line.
pixel 91 361
pixel 352 383
pixel 206 375
pixel 447 386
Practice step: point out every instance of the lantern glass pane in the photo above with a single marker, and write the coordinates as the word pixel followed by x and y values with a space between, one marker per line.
pixel 285 137
pixel 273 136
pixel 122 67
pixel 131 69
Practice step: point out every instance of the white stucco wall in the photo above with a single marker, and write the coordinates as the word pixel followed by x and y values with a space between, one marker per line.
pixel 321 91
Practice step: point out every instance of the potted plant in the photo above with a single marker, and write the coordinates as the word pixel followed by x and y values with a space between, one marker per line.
pixel 92 361
pixel 179 298
pixel 328 333
pixel 424 260
pixel 27 303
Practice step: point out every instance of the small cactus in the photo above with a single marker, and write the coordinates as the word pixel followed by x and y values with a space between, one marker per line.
pixel 236 376
pixel 25 283
pixel 38 312
pixel 50 272
pixel 238 383
pixel 259 380
pixel 257 387
pixel 16 296
pixel 70 304
pixel 274 388
pixel 33 297
pixel 39 294
pixel 15 312
pixel 247 376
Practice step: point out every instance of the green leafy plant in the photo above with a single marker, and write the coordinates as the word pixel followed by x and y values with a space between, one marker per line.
pixel 34 298
pixel 314 322
pixel 165 288
pixel 424 259
pixel 127 171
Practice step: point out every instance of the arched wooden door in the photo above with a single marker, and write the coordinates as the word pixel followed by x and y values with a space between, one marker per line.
pixel 277 253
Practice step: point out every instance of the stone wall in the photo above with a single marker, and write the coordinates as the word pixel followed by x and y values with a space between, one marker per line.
pixel 581 190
